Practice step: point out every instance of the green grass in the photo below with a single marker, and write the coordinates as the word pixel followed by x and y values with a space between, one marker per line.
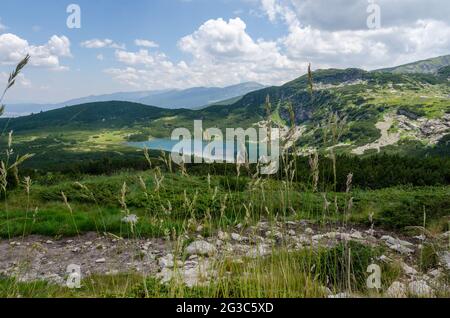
pixel 96 207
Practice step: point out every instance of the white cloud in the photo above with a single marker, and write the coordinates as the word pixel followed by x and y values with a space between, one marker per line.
pixel 99 44
pixel 218 39
pixel 363 47
pixel 14 48
pixel 135 58
pixel 20 81
pixel 222 52
pixel 100 57
pixel 146 43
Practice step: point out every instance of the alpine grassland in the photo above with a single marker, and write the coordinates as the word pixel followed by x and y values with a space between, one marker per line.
pixel 328 223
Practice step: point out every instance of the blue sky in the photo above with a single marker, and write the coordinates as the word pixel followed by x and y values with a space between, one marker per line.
pixel 186 43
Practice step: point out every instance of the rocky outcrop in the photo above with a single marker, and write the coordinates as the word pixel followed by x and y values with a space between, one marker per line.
pixel 37 258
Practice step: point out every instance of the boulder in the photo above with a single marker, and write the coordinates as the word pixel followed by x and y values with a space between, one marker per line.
pixel 167 261
pixel 420 288
pixel 445 259
pixel 408 269
pixel 201 248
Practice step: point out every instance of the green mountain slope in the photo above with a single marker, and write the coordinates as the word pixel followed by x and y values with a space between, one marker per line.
pixel 417 107
pixel 425 66
pixel 114 114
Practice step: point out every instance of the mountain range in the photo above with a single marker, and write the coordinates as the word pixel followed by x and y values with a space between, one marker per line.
pixel 192 98
pixel 383 109
pixel 429 66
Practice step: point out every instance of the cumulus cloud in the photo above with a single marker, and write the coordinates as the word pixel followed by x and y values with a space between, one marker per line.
pixel 14 48
pixel 101 43
pixel 146 43
pixel 20 81
pixel 319 31
pixel 338 15
pixel 222 52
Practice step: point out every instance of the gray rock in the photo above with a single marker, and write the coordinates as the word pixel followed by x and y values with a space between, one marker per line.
pixel 401 249
pixel 237 237
pixel 192 276
pixel 385 259
pixel 341 295
pixel 393 241
pixel 356 235
pixel 259 251
pixel 408 269
pixel 445 259
pixel 420 288
pixel 397 290
pixel 436 273
pixel 167 261
pixel 202 248
pixel 309 231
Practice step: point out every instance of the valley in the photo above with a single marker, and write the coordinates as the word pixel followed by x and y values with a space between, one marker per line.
pixel 364 179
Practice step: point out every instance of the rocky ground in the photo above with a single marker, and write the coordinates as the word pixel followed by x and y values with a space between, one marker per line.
pixel 386 138
pixel 39 258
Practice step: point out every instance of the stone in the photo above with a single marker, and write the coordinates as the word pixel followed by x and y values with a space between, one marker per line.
pixel 356 235
pixel 401 249
pixel 236 237
pixel 318 237
pixel 309 231
pixel 408 269
pixel 420 237
pixel 345 236
pixel 420 288
pixel 302 239
pixel 100 261
pixel 341 295
pixel 334 235
pixel 393 241
pixel 396 290
pixel 167 261
pixel 258 251
pixel 192 276
pixel 436 273
pixel 385 259
pixel 444 259
pixel 445 236
pixel 202 248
